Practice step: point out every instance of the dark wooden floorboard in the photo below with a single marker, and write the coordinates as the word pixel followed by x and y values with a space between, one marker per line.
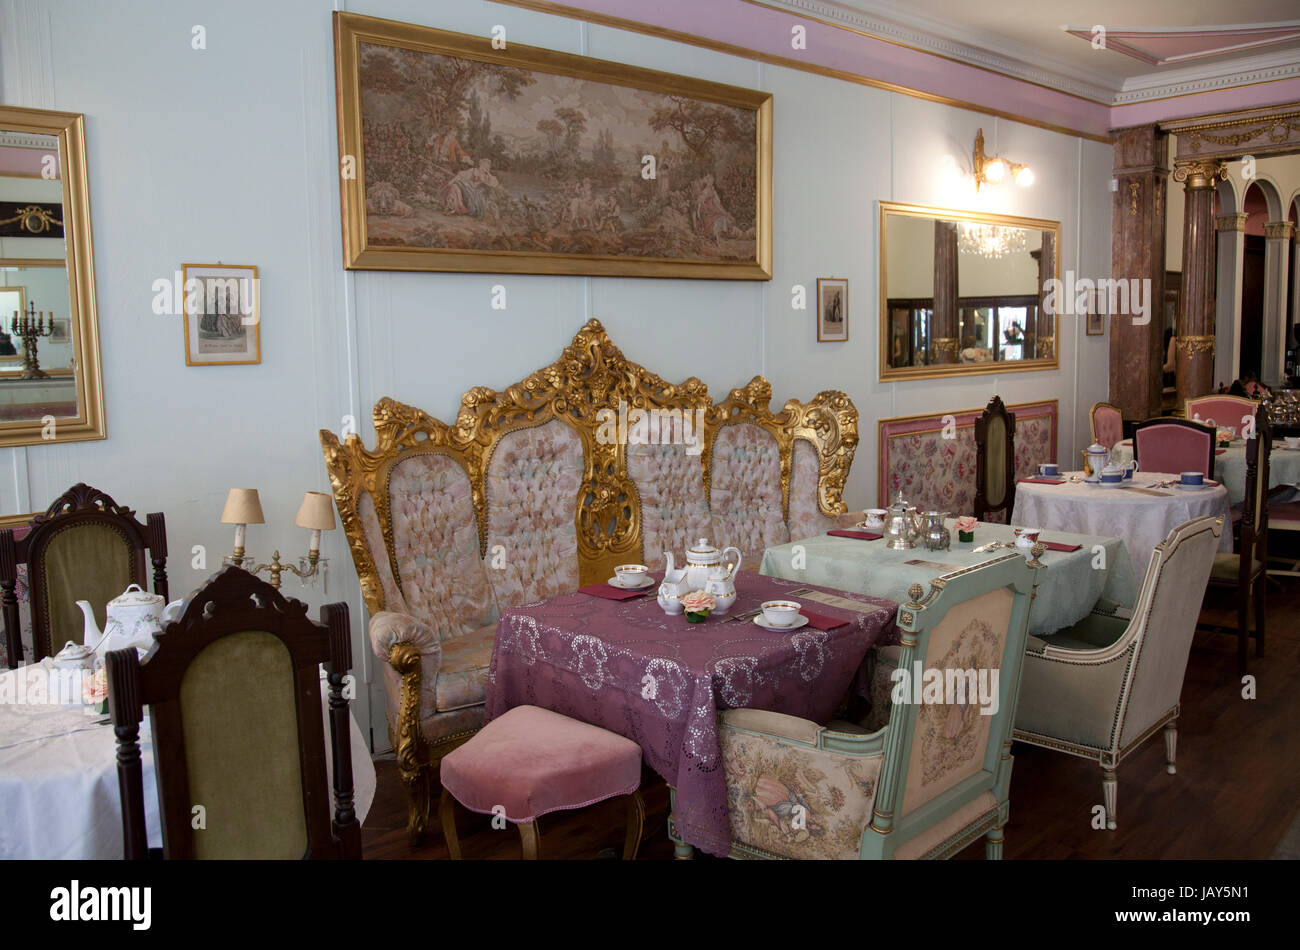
pixel 1236 793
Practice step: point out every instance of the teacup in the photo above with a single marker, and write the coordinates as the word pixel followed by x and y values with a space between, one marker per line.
pixel 1130 467
pixel 1026 537
pixel 632 575
pixel 1293 441
pixel 875 517
pixel 1192 478
pixel 1049 469
pixel 780 613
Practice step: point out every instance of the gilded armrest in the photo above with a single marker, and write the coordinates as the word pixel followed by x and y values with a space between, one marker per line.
pixel 413 655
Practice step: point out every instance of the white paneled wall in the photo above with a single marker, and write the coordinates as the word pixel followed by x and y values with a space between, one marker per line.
pixel 229 154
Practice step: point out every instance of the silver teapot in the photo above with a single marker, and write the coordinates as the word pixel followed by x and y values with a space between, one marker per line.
pixel 937 537
pixel 903 525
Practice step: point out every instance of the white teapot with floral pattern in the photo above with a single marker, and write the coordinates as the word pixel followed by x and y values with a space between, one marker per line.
pixel 703 558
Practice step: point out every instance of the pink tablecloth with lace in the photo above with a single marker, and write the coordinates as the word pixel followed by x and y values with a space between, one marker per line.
pixel 660 681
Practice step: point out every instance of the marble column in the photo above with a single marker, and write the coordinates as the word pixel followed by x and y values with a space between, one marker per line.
pixel 943 331
pixel 1138 253
pixel 1227 326
pixel 1277 253
pixel 1196 314
pixel 1045 330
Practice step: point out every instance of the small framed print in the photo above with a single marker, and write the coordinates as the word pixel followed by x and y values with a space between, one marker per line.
pixel 60 331
pixel 1095 323
pixel 832 309
pixel 222 315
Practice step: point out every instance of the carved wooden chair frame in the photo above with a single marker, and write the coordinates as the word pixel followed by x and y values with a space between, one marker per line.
pixel 995 408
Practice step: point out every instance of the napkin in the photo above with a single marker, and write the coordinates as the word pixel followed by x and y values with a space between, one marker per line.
pixel 1219 451
pixel 821 621
pixel 860 535
pixel 1043 481
pixel 1058 546
pixel 606 592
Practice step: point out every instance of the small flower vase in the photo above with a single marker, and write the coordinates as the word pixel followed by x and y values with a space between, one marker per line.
pixel 970 535
pixel 697 616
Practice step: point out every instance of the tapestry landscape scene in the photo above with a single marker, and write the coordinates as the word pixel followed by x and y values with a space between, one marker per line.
pixel 468 155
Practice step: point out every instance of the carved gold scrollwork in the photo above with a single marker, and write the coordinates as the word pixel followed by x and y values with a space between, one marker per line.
pixel 587 383
pixel 1193 345
pixel 1134 188
pixel 1046 346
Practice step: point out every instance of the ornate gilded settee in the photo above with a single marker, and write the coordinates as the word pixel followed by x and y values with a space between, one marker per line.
pixel 590 462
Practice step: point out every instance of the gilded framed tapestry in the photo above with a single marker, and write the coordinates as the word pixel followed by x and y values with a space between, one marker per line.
pixel 473 154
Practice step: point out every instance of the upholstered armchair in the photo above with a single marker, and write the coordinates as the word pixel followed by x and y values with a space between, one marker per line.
pixel 1102 687
pixel 1221 410
pixel 1173 446
pixel 931 781
pixel 1107 424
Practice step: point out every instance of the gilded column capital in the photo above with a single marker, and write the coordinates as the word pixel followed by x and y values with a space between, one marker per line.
pixel 1278 229
pixel 1200 173
pixel 1046 346
pixel 1192 345
pixel 945 344
pixel 1231 222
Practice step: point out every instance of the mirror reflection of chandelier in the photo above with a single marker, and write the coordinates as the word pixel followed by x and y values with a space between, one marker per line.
pixel 990 240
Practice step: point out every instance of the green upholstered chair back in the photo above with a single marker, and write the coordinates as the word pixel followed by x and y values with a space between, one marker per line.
pixel 233 691
pixel 940 755
pixel 995 460
pixel 85 546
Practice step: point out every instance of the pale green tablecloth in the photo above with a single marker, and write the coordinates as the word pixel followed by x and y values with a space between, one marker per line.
pixel 1067 589
pixel 1230 467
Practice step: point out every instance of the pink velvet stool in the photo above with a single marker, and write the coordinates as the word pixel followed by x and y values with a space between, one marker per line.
pixel 531 761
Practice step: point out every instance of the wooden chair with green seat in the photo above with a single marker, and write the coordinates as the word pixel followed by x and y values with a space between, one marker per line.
pixel 995 461
pixel 1245 570
pixel 85 546
pixel 233 691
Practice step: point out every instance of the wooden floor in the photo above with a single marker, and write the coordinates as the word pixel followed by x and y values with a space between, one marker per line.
pixel 1236 793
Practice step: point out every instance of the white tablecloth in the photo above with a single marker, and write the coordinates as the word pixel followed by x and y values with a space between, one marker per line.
pixel 58 777
pixel 1230 466
pixel 1141 520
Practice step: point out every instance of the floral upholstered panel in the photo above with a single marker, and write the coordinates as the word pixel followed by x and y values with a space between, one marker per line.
pixel 931 459
pixel 393 599
pixel 806 517
pixel 436 544
pixel 884 661
pixel 532 489
pixel 669 480
pixel 745 490
pixel 951 738
pixel 788 799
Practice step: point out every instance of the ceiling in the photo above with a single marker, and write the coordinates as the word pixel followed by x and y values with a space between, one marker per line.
pixel 1154 48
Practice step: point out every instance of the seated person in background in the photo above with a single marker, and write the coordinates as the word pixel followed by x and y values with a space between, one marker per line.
pixel 1249 386
pixel 1171 359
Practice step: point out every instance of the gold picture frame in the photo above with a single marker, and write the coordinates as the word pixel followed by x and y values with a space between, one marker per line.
pixel 225 330
pixel 425 225
pixel 888 372
pixel 87 422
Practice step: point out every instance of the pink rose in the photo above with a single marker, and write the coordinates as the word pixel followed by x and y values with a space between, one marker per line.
pixel 94 688
pixel 967 523
pixel 697 601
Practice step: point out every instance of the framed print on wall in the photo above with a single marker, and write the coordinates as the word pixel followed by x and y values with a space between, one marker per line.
pixel 1095 323
pixel 222 315
pixel 832 309
pixel 458 156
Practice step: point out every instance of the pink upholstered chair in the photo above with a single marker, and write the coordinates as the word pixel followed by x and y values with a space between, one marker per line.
pixel 1173 446
pixel 1218 410
pixel 1284 516
pixel 531 761
pixel 1107 424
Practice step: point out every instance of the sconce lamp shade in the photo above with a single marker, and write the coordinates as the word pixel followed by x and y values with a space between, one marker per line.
pixel 317 512
pixel 243 507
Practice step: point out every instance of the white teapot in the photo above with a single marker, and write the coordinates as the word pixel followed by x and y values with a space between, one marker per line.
pixel 1095 458
pixel 134 617
pixel 701 561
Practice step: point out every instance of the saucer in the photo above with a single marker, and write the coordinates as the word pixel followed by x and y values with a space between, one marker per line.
pixel 1048 478
pixel 615 582
pixel 1192 487
pixel 801 622
pixel 1112 484
pixel 864 526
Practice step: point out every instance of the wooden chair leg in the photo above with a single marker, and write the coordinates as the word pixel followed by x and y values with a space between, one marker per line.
pixel 530 837
pixel 993 845
pixel 1243 630
pixel 1171 745
pixel 1109 794
pixel 635 824
pixel 447 813
pixel 1260 586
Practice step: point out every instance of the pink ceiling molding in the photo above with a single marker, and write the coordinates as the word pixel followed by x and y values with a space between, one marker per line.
pixel 1163 47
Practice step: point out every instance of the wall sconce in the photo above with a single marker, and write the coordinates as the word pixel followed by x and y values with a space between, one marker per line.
pixel 992 170
pixel 243 507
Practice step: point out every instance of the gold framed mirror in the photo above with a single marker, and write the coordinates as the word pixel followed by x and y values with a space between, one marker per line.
pixel 50 382
pixel 961 292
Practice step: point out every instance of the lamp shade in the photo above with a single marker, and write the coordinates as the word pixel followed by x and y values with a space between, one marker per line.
pixel 243 507
pixel 317 512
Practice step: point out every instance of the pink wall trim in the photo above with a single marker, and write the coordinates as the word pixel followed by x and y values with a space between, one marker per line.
pixel 767 31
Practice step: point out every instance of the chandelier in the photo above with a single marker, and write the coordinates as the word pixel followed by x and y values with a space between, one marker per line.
pixel 990 240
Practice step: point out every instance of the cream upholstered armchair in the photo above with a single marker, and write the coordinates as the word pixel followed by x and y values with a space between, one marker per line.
pixel 1102 687
pixel 936 778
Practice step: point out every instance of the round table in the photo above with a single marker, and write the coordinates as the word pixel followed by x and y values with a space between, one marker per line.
pixel 58 774
pixel 1230 466
pixel 1141 520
